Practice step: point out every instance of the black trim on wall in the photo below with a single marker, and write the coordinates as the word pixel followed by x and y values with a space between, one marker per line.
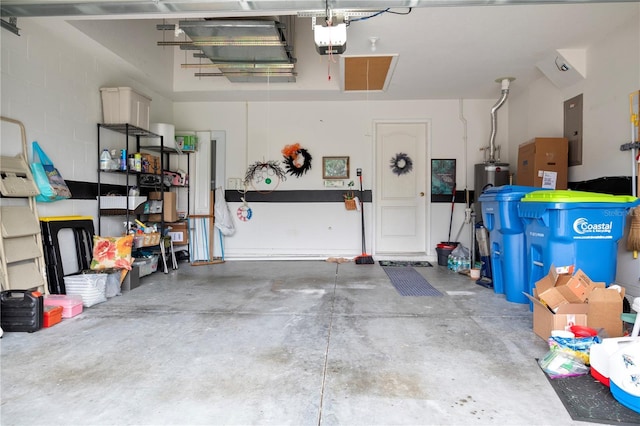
pixel 300 196
pixel 460 197
pixel 616 185
pixel 89 190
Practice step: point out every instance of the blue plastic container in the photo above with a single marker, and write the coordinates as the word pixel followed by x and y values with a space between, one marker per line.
pixel 574 228
pixel 506 235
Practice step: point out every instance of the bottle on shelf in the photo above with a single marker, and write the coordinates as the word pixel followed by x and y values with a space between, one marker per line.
pixel 138 161
pixel 123 160
pixel 105 160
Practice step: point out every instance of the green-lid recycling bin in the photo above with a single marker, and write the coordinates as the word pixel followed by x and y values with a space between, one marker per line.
pixel 507 242
pixel 582 229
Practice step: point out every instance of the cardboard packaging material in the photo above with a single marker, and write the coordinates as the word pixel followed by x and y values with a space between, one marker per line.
pixel 179 232
pixel 151 164
pixel 562 300
pixel 605 309
pixel 169 207
pixel 543 163
pixel 566 289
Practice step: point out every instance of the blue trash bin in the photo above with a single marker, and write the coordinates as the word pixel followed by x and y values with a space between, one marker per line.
pixel 507 242
pixel 574 228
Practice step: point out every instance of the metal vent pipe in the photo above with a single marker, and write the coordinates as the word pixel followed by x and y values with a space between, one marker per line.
pixel 494 118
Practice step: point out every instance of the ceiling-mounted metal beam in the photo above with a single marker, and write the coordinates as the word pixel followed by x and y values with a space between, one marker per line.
pixel 176 8
pixel 11 25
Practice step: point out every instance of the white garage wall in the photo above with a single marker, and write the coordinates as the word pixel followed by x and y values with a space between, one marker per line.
pixel 51 79
pixel 257 131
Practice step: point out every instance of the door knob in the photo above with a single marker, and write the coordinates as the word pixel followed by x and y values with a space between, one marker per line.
pixel 422 194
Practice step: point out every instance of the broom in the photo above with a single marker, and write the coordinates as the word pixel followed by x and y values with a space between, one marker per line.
pixel 364 258
pixel 633 240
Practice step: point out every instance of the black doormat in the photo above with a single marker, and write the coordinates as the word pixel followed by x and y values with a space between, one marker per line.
pixel 409 282
pixel 404 263
pixel 588 400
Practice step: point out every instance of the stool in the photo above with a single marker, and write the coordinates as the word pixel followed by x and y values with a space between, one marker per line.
pixel 83 231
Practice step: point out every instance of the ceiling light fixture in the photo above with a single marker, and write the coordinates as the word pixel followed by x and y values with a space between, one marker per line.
pixel 373 41
pixel 561 65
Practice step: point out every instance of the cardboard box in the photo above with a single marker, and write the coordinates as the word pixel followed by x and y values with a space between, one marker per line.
pixel 562 300
pixel 179 232
pixel 566 288
pixel 169 207
pixel 544 320
pixel 151 164
pixel 543 163
pixel 605 309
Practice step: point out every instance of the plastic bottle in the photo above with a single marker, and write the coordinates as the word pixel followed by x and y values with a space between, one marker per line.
pixel 123 159
pixel 105 160
pixel 138 161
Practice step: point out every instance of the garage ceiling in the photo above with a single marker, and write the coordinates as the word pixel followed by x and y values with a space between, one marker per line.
pixel 119 7
pixel 441 52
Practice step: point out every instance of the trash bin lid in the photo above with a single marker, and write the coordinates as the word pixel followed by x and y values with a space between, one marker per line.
pixel 507 192
pixel 567 196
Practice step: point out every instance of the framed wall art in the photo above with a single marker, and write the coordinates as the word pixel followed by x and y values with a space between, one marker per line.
pixel 335 167
pixel 443 179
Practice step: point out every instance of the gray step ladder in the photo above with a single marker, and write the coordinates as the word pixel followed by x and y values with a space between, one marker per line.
pixel 22 264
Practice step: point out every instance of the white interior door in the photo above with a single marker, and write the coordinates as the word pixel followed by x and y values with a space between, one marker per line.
pixel 401 188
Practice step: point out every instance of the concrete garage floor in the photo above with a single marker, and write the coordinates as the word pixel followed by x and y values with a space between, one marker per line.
pixel 283 343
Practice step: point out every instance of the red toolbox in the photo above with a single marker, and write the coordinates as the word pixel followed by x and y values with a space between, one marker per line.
pixel 52 315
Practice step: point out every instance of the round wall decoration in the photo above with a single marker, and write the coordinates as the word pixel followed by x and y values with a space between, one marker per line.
pixel 244 213
pixel 401 164
pixel 292 156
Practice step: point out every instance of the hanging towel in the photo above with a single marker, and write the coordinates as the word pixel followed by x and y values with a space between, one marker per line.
pixel 223 221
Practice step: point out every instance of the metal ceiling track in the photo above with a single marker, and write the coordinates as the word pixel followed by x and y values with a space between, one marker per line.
pixel 177 8
pixel 243 50
pixel 11 24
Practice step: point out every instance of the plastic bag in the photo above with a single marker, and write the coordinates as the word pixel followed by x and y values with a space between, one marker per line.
pixel 49 180
pixel 558 364
pixel 91 287
pixel 576 346
pixel 460 251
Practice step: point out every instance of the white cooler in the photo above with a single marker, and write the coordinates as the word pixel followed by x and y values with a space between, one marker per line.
pixel 600 354
pixel 624 381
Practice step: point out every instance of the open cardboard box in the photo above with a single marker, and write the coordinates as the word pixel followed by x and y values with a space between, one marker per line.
pixel 561 300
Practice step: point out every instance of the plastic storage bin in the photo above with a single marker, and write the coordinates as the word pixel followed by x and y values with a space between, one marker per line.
pixel 573 228
pixel 507 242
pixel 71 305
pixel 124 105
